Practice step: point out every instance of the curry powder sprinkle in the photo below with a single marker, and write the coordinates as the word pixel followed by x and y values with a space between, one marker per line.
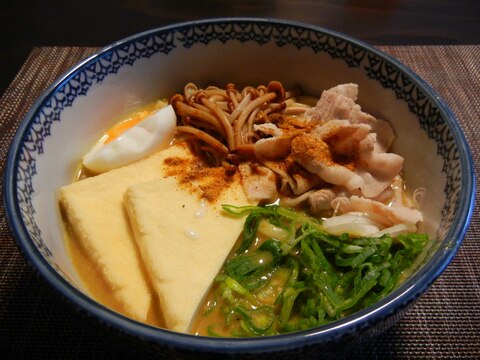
pixel 198 178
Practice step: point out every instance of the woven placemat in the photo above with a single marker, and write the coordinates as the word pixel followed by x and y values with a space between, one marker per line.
pixel 444 324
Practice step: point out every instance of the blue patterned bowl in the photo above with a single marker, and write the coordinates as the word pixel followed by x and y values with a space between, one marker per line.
pixel 156 63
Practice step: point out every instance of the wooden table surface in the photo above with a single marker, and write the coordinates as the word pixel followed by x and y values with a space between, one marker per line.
pixel 27 23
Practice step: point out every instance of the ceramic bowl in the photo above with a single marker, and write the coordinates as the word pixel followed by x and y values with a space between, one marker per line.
pixel 68 118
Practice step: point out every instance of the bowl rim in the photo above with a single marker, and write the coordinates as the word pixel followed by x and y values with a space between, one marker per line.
pixel 405 294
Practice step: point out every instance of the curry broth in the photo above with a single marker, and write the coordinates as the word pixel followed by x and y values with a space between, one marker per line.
pixel 210 320
pixel 95 284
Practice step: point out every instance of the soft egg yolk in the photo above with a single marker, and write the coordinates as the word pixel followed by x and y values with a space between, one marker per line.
pixel 118 129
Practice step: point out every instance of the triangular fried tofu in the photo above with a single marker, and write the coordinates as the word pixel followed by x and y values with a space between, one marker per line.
pixel 183 239
pixel 95 215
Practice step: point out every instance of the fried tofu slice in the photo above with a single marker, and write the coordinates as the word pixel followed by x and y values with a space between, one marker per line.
pixel 183 240
pixel 95 215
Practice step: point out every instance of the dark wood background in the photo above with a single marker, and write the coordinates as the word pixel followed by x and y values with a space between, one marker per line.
pixel 28 23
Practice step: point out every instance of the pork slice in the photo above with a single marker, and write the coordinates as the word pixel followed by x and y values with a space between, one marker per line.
pixel 348 90
pixel 315 156
pixel 357 116
pixel 371 186
pixel 293 178
pixel 259 183
pixel 376 161
pixel 331 106
pixel 370 171
pixel 342 136
pixel 391 215
pixel 277 146
pixel 338 103
pixel 274 148
pixel 321 200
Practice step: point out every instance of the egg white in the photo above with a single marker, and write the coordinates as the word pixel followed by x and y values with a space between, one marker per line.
pixel 153 133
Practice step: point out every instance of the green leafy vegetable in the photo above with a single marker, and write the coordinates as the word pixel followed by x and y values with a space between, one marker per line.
pixel 306 277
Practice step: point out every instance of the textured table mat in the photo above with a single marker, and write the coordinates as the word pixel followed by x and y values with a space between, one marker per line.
pixel 444 324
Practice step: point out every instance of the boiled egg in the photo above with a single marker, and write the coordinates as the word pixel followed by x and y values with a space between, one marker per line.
pixel 133 140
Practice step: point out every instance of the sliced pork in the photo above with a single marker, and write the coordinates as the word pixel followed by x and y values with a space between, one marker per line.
pixel 338 103
pixel 331 106
pixel 274 148
pixel 314 155
pixel 387 215
pixel 294 180
pixel 321 200
pixel 342 137
pixel 334 155
pixel 259 182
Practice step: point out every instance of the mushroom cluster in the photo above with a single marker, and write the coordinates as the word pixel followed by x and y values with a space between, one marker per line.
pixel 222 120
